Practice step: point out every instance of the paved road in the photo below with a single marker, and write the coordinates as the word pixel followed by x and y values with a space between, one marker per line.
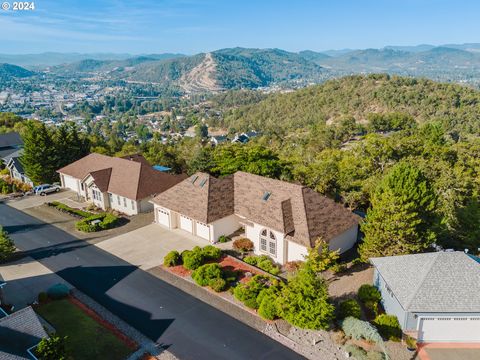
pixel 191 328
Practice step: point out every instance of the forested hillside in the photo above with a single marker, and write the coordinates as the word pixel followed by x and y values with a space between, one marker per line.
pixel 455 106
pixel 8 71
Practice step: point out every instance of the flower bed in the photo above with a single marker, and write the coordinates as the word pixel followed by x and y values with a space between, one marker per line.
pixel 90 224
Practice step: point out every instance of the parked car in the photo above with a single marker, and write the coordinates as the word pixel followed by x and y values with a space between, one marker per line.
pixel 45 189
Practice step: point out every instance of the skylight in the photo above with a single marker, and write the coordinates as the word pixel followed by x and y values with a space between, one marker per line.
pixel 204 181
pixel 194 179
pixel 266 195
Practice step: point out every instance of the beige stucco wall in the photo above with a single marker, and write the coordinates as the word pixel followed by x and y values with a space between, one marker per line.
pixel 344 241
pixel 296 252
pixel 124 205
pixel 224 226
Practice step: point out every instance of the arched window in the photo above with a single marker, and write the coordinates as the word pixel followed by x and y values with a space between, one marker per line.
pixel 268 242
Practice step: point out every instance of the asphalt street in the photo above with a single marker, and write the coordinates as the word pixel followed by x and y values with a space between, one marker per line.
pixel 190 328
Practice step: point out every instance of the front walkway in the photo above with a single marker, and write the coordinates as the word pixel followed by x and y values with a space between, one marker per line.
pixel 146 246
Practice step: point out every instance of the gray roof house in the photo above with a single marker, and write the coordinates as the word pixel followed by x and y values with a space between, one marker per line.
pixel 435 296
pixel 9 143
pixel 19 333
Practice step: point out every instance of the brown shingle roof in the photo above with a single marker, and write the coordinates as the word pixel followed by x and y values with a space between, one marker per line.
pixel 132 178
pixel 297 211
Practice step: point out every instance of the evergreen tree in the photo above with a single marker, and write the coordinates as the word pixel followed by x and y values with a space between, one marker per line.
pixel 39 157
pixel 401 218
pixel 7 248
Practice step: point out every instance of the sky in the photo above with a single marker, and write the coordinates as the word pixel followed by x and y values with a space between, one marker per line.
pixel 190 26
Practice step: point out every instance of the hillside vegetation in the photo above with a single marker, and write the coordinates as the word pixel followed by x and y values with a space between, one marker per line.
pixel 455 106
pixel 9 71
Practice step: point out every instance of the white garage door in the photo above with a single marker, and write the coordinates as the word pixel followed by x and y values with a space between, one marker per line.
pixel 203 230
pixel 449 329
pixel 163 218
pixel 186 224
pixel 70 183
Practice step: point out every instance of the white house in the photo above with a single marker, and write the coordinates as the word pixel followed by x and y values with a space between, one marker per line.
pixel 435 296
pixel 282 219
pixel 123 184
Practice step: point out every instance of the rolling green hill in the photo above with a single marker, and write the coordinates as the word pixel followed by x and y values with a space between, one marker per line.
pixel 9 71
pixel 457 106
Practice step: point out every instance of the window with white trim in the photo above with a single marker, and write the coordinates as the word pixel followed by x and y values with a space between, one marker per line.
pixel 268 242
pixel 133 204
pixel 97 195
pixel 124 202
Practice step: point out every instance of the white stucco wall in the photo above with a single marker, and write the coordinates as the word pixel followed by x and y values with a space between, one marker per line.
pixel 344 241
pixel 128 209
pixel 224 226
pixel 253 233
pixel 71 183
pixel 296 251
pixel 389 301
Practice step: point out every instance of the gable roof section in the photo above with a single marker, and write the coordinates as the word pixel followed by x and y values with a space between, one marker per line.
pixel 433 282
pixel 291 209
pixel 14 162
pixel 19 332
pixel 10 139
pixel 130 177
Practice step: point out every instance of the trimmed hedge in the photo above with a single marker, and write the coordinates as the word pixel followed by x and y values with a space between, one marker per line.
pixel 65 208
pixel 388 326
pixel 217 284
pixel 263 262
pixel 203 274
pixel 173 258
pixel 192 259
pixel 107 221
pixel 211 252
pixel 348 308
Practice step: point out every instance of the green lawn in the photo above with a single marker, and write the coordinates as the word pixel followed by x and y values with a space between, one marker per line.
pixel 86 338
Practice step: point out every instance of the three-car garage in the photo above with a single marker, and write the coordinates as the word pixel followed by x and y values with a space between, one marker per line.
pixel 174 220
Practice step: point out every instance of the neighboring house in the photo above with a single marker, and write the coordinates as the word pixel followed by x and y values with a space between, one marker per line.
pixel 16 170
pixel 282 219
pixel 435 296
pixel 20 333
pixel 10 152
pixel 218 139
pixel 243 138
pixel 9 144
pixel 123 184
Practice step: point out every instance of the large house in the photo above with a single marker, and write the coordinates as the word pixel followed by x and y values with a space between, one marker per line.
pixel 123 184
pixel 435 296
pixel 282 219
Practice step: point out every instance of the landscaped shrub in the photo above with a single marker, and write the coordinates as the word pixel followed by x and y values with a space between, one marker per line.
pixel 203 274
pixel 70 210
pixel 107 221
pixel 217 284
pixel 359 353
pixel 359 329
pixel 7 246
pixel 348 308
pixel 211 252
pixel 223 239
pixel 173 258
pixel 192 259
pixel 293 266
pixel 388 326
pixel 58 291
pixel 243 244
pixel 248 292
pixel 42 297
pixel 52 348
pixel 263 262
pixel 369 293
pixel 230 275
pixel 268 308
pixel 371 309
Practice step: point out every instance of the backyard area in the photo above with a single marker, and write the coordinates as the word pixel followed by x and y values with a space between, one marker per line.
pixel 87 337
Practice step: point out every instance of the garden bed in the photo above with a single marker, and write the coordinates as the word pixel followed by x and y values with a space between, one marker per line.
pixel 88 335
pixel 69 210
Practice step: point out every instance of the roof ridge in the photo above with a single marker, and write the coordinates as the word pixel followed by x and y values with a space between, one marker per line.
pixel 422 280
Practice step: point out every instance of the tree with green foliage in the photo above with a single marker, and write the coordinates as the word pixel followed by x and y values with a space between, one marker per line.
pixel 201 131
pixel 401 218
pixel 320 257
pixel 39 158
pixel 7 247
pixel 52 348
pixel 304 302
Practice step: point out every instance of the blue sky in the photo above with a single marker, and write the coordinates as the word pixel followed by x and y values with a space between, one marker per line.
pixel 190 26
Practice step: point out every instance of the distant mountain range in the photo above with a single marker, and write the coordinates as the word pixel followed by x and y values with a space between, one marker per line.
pixel 235 68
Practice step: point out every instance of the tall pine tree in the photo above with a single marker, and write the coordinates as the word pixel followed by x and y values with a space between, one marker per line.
pixel 401 217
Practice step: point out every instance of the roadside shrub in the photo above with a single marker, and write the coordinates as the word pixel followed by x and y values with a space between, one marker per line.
pixel 192 259
pixel 243 244
pixel 223 239
pixel 173 258
pixel 203 274
pixel 107 221
pixel 359 329
pixel 348 308
pixel 217 284
pixel 211 252
pixel 70 210
pixel 369 293
pixel 388 326
pixel 268 308
pixel 58 291
pixel 248 292
pixel 263 262
pixel 7 246
pixel 42 297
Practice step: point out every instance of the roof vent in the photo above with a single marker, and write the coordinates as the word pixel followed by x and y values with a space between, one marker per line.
pixel 204 181
pixel 194 179
pixel 266 195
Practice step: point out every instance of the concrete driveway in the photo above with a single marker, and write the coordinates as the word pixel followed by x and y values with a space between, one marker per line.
pixel 146 247
pixel 449 351
pixel 37 200
pixel 25 279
